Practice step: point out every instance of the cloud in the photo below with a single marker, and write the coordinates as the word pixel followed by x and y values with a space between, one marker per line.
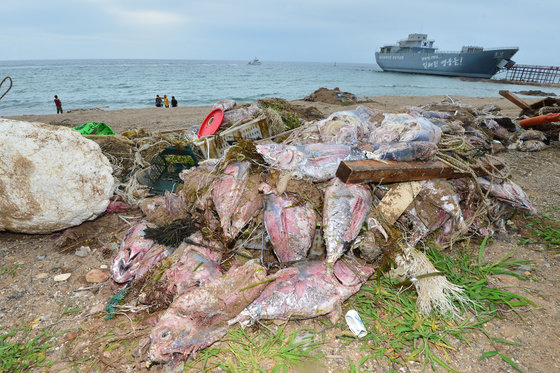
pixel 146 18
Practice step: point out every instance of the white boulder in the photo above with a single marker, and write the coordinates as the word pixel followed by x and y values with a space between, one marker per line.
pixel 51 177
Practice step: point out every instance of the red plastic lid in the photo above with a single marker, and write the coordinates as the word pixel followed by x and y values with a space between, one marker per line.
pixel 211 123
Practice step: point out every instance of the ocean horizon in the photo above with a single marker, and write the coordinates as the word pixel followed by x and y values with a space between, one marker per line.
pixel 122 83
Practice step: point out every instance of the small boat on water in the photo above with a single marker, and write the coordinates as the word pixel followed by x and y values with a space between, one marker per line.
pixel 255 62
pixel 418 55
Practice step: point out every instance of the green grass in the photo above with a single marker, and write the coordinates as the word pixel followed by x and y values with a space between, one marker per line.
pixel 398 333
pixel 22 348
pixel 543 230
pixel 26 346
pixel 11 270
pixel 267 351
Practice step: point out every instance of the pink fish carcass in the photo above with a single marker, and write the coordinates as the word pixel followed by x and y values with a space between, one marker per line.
pixel 436 207
pixel 290 223
pixel 345 209
pixel 236 198
pixel 136 256
pixel 199 317
pixel 193 264
pixel 318 162
pixel 305 291
pixel 508 192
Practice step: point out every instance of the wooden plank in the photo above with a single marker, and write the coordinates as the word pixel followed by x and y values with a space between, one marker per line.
pixel 516 100
pixel 397 199
pixel 370 171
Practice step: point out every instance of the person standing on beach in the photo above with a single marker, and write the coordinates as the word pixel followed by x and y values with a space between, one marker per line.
pixel 158 101
pixel 165 101
pixel 58 104
pixel 173 101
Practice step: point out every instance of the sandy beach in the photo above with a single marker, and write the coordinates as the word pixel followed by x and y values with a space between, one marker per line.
pixel 162 119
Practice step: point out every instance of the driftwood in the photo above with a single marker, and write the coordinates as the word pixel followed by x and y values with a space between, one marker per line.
pixel 370 171
pixel 516 100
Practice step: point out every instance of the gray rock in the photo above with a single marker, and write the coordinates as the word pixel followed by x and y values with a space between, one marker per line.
pixel 83 251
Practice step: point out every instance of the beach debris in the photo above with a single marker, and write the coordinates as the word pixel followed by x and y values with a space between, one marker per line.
pixel 535 92
pixel 497 130
pixel 435 207
pixel 540 120
pixel 355 323
pixel 345 210
pixel 372 171
pixel 194 263
pixel 332 96
pixel 404 128
pixel 199 317
pixel 225 105
pixel 533 135
pixel 236 197
pixel 397 200
pixel 514 99
pixel 304 291
pixel 52 178
pixel 317 162
pixel 312 218
pixel 94 128
pixel 531 146
pixel 508 192
pixel 137 255
pixel 290 224
pixel 401 151
pixel 435 292
pixel 349 127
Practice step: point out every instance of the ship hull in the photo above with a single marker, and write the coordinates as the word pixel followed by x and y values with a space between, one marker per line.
pixel 482 64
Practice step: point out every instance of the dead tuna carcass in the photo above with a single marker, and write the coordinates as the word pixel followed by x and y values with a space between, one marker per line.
pixel 290 224
pixel 137 255
pixel 318 162
pixel 236 198
pixel 508 192
pixel 435 207
pixel 401 151
pixel 305 291
pixel 192 264
pixel 199 317
pixel 344 212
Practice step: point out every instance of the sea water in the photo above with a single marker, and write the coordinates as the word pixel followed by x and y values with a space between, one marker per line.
pixel 118 84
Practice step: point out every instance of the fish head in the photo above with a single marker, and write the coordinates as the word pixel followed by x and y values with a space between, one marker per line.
pixel 169 339
pixel 282 156
pixel 132 250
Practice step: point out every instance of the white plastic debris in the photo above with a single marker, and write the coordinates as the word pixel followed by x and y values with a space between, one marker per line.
pixel 355 323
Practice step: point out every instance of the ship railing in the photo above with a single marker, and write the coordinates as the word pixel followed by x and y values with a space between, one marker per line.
pixel 484 49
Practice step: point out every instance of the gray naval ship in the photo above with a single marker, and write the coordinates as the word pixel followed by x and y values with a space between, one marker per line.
pixel 418 55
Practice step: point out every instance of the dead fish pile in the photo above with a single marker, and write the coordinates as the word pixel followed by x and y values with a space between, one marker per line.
pixel 282 238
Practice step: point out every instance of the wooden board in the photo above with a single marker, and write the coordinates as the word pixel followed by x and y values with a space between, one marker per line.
pixel 516 100
pixel 370 171
pixel 397 200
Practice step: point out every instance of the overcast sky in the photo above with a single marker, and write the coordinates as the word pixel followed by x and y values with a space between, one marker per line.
pixel 287 30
